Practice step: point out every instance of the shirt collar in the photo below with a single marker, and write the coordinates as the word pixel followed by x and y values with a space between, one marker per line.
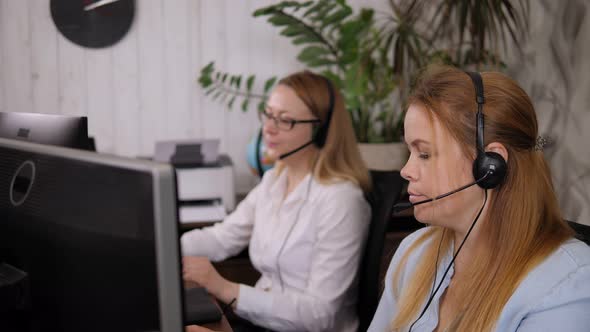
pixel 279 187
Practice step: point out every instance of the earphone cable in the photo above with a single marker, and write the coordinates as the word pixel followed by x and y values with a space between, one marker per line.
pixel 452 261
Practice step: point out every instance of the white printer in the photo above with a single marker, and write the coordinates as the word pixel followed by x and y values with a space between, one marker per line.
pixel 204 179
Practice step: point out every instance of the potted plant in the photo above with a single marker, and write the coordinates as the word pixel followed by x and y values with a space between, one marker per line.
pixel 373 60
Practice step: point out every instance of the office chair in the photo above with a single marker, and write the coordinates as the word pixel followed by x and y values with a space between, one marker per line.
pixel 582 231
pixel 387 188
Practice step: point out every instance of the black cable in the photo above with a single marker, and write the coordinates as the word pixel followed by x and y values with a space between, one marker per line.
pixel 294 223
pixel 227 306
pixel 436 261
pixel 452 261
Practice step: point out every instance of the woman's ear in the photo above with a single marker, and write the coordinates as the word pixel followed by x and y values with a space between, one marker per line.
pixel 498 148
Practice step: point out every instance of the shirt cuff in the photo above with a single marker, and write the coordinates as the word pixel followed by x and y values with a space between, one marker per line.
pixel 253 302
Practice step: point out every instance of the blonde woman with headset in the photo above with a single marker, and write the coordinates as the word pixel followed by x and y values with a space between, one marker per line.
pixel 498 255
pixel 305 223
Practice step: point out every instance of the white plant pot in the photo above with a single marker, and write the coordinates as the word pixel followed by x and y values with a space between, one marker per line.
pixel 384 156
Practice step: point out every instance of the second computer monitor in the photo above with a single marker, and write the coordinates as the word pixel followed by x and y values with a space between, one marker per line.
pixel 61 130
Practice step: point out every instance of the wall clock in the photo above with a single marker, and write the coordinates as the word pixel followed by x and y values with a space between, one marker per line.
pixel 93 23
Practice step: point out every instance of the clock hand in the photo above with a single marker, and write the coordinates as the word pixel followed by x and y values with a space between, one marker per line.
pixel 98 4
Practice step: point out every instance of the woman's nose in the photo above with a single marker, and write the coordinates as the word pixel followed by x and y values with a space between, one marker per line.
pixel 408 172
pixel 269 127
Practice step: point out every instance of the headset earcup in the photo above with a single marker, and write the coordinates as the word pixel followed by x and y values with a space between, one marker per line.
pixel 258 161
pixel 483 163
pixel 319 135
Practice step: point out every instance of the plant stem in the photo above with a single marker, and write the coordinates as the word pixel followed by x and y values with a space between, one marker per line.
pixel 235 92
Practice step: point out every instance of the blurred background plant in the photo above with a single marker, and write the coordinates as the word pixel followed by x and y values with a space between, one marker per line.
pixel 374 57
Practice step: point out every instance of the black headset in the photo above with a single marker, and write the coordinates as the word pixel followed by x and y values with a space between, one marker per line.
pixel 321 133
pixel 489 168
pixel 490 163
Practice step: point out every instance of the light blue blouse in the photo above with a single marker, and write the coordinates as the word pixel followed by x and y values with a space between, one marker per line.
pixel 555 296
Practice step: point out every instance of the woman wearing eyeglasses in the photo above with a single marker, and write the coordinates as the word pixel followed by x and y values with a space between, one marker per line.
pixel 305 223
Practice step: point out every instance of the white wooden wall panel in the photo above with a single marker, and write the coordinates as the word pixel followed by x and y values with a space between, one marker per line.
pixel 150 49
pixel 100 98
pixel 16 50
pixel 237 46
pixel 45 88
pixel 2 46
pixel 72 76
pixel 126 95
pixel 212 37
pixel 196 62
pixel 178 77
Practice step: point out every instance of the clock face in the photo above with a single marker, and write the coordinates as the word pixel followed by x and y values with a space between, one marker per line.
pixel 93 23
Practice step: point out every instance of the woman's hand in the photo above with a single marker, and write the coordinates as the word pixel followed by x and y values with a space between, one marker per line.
pixel 195 328
pixel 201 271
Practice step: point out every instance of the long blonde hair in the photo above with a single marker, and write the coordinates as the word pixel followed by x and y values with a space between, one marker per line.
pixel 339 158
pixel 524 224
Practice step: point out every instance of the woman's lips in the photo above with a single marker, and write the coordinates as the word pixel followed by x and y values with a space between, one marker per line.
pixel 416 198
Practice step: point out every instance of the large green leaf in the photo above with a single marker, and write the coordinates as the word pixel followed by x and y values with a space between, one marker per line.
pixel 245 104
pixel 307 38
pixel 279 19
pixel 313 53
pixel 294 30
pixel 249 83
pixel 230 103
pixel 269 84
pixel 336 17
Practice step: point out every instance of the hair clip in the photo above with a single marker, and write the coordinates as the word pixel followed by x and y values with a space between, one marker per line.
pixel 541 143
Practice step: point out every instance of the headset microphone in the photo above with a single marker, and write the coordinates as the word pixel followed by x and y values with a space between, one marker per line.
pixel 285 155
pixel 402 206
pixel 406 205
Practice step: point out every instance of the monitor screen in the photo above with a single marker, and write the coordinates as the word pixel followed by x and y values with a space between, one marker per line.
pixel 60 130
pixel 96 237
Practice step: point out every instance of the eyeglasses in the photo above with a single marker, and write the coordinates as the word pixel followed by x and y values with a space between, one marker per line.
pixel 281 121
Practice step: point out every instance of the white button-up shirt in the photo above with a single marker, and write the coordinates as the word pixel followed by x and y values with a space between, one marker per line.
pixel 307 248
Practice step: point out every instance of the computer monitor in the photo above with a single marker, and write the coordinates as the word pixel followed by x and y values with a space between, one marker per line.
pixel 60 130
pixel 96 236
